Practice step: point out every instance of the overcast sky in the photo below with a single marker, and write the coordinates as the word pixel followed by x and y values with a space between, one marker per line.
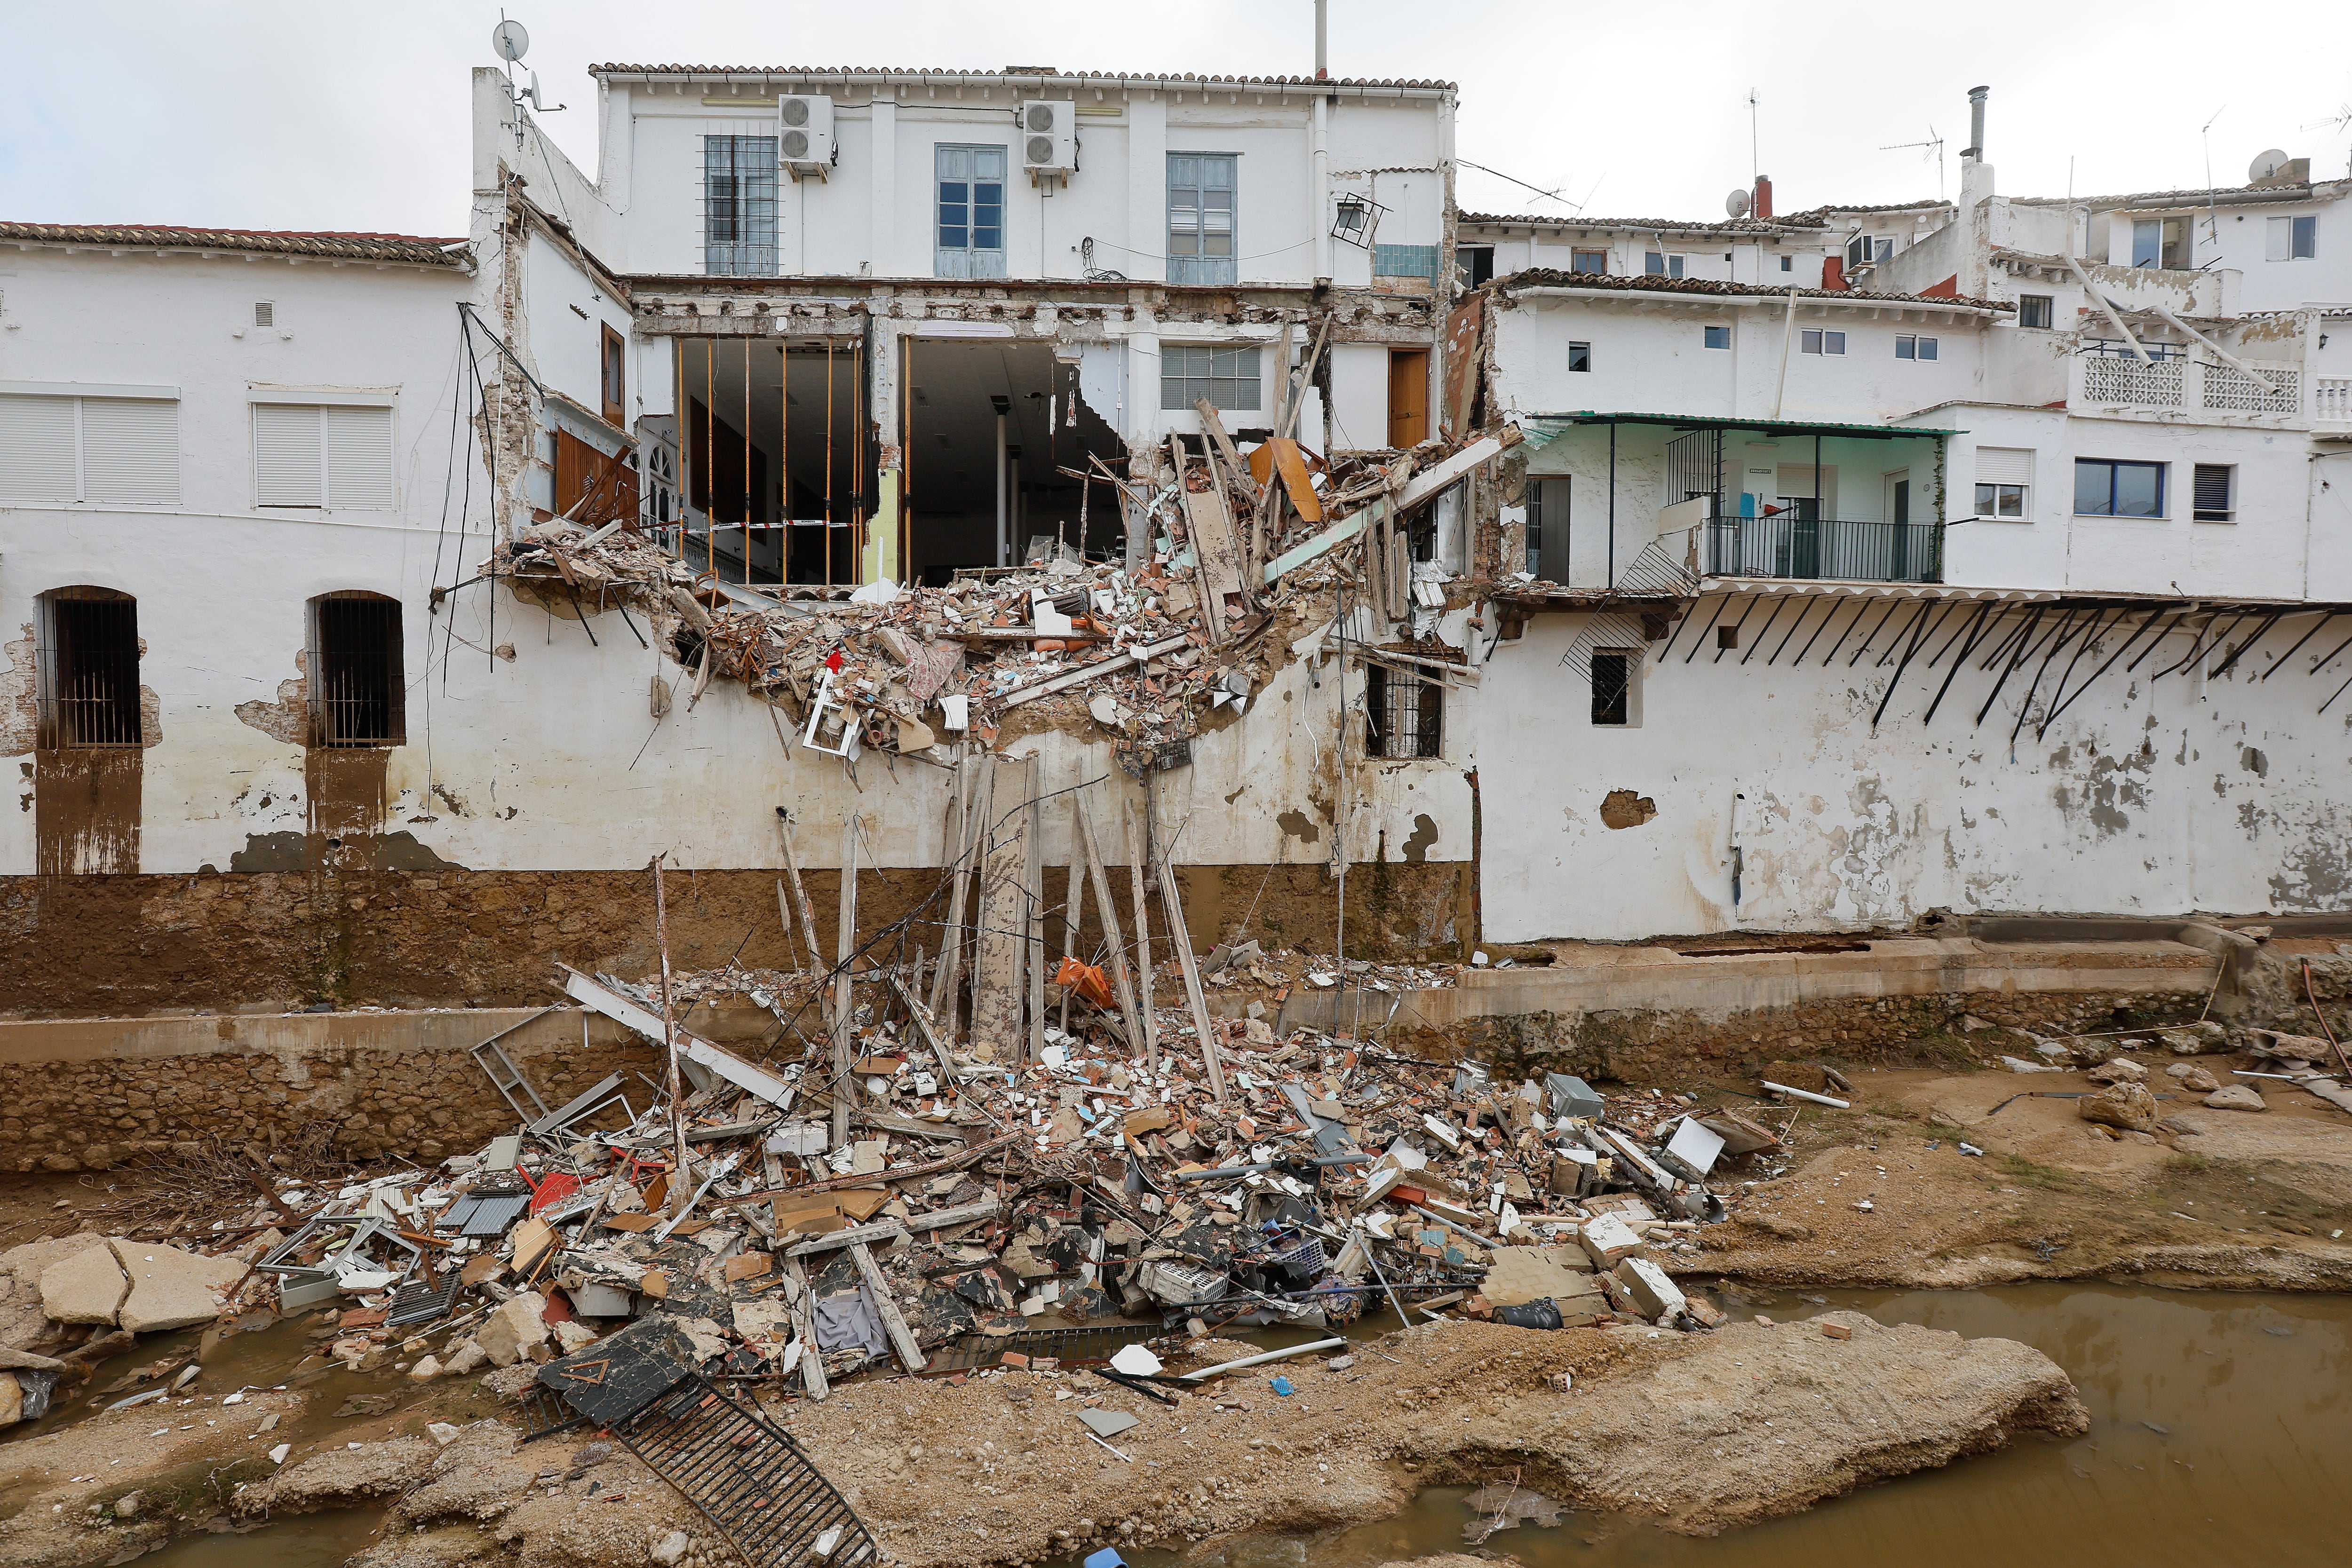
pixel 280 115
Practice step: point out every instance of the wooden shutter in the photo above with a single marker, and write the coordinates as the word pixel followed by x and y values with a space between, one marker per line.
pixel 37 449
pixel 131 451
pixel 359 458
pixel 287 466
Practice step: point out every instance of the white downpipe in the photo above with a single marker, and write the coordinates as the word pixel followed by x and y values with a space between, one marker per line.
pixel 1788 346
pixel 2107 310
pixel 1322 182
pixel 1004 523
pixel 2220 352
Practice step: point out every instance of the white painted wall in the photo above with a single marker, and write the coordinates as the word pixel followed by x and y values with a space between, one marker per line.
pixel 2143 799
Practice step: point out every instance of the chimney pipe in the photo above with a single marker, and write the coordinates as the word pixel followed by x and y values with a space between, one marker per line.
pixel 1974 151
pixel 1761 207
pixel 1322 40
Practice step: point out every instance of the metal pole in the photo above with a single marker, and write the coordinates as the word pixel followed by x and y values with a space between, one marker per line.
pixel 1611 579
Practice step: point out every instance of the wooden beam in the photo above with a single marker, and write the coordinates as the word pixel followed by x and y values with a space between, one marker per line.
pixel 804 1325
pixel 1172 901
pixel 846 943
pixel 1002 919
pixel 1091 848
pixel 902 1339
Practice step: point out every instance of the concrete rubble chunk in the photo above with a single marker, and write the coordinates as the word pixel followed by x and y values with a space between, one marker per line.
pixel 2117 1070
pixel 87 1288
pixel 170 1288
pixel 510 1331
pixel 2193 1078
pixel 2129 1107
pixel 1608 1240
pixel 464 1359
pixel 1654 1295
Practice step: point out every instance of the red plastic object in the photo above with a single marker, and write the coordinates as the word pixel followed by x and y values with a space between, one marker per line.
pixel 554 1189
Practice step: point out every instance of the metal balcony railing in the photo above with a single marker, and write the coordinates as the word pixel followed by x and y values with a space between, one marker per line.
pixel 1829 548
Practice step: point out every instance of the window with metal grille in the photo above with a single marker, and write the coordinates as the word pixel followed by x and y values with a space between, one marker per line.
pixel 2034 309
pixel 2216 499
pixel 358 697
pixel 1200 217
pixel 738 206
pixel 1613 688
pixel 88 660
pixel 1406 713
pixel 1228 378
pixel 1547 504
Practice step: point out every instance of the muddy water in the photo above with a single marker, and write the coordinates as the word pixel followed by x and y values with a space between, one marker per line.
pixel 2254 1394
pixel 314 1541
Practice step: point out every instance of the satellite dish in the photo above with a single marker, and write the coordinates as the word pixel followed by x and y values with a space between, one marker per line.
pixel 512 41
pixel 1736 202
pixel 2266 164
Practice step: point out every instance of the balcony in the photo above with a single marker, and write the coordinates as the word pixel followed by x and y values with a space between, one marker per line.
pixel 2331 404
pixel 1836 549
pixel 2178 383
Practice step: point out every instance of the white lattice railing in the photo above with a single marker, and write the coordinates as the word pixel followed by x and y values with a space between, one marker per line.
pixel 2331 400
pixel 2226 388
pixel 2115 380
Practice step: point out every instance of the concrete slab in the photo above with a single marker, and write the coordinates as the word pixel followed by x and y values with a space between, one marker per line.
pixel 87 1288
pixel 170 1288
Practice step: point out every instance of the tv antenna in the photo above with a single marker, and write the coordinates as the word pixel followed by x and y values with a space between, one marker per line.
pixel 511 39
pixel 1933 148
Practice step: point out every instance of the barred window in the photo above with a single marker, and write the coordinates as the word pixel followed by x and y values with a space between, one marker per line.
pixel 358 696
pixel 1228 378
pixel 89 668
pixel 1405 714
pixel 738 206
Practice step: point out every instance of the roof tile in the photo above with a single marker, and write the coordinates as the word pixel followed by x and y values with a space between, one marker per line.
pixel 413 249
pixel 1646 283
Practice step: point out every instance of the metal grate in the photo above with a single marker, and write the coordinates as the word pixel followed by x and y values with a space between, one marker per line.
pixel 358 696
pixel 419 1301
pixel 747 1477
pixel 1408 713
pixel 89 689
pixel 738 206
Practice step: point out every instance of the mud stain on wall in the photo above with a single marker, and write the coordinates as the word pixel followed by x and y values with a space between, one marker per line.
pixel 1300 826
pixel 1624 808
pixel 86 809
pixel 345 803
pixel 1425 833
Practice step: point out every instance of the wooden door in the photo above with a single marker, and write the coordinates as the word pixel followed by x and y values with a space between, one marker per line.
pixel 1408 397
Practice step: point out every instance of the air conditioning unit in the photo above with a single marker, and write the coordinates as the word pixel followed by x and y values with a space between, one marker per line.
pixel 1049 136
pixel 805 133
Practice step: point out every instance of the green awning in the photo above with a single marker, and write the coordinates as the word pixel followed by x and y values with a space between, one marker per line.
pixel 1542 429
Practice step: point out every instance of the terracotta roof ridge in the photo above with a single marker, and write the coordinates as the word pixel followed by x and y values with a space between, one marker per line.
pixel 614 67
pixel 347 244
pixel 1546 277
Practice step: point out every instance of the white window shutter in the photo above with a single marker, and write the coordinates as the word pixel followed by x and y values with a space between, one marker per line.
pixel 131 451
pixel 2004 465
pixel 359 458
pixel 36 448
pixel 287 468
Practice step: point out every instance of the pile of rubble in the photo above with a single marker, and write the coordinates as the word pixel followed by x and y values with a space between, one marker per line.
pixel 1227 543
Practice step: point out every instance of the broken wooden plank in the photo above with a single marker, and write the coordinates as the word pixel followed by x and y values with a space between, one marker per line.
pixel 1421 487
pixel 959 938
pixel 1281 459
pixel 804 1325
pixel 1084 673
pixel 595 993
pixel 1003 916
pixel 1235 467
pixel 799 892
pixel 902 1339
pixel 1142 930
pixel 845 903
pixel 856 1236
pixel 1172 900
pixel 1033 882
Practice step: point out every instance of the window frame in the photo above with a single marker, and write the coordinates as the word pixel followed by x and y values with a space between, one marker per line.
pixel 1914 346
pixel 612 374
pixel 2003 490
pixel 1383 685
pixel 1816 341
pixel 79 400
pixel 1480 267
pixel 322 404
pixel 2048 311
pixel 1669 263
pixel 54 670
pixel 329 728
pixel 1200 268
pixel 2201 513
pixel 2115 466
pixel 1579 255
pixel 968 257
pixel 749 211
pixel 1627 699
pixel 1578 350
pixel 1190 386
pixel 1709 336
pixel 2291 236
pixel 1538 518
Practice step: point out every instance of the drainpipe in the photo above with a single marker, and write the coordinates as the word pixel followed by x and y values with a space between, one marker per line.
pixel 2108 311
pixel 1322 182
pixel 2220 352
pixel 1787 342
pixel 1322 40
pixel 1738 862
